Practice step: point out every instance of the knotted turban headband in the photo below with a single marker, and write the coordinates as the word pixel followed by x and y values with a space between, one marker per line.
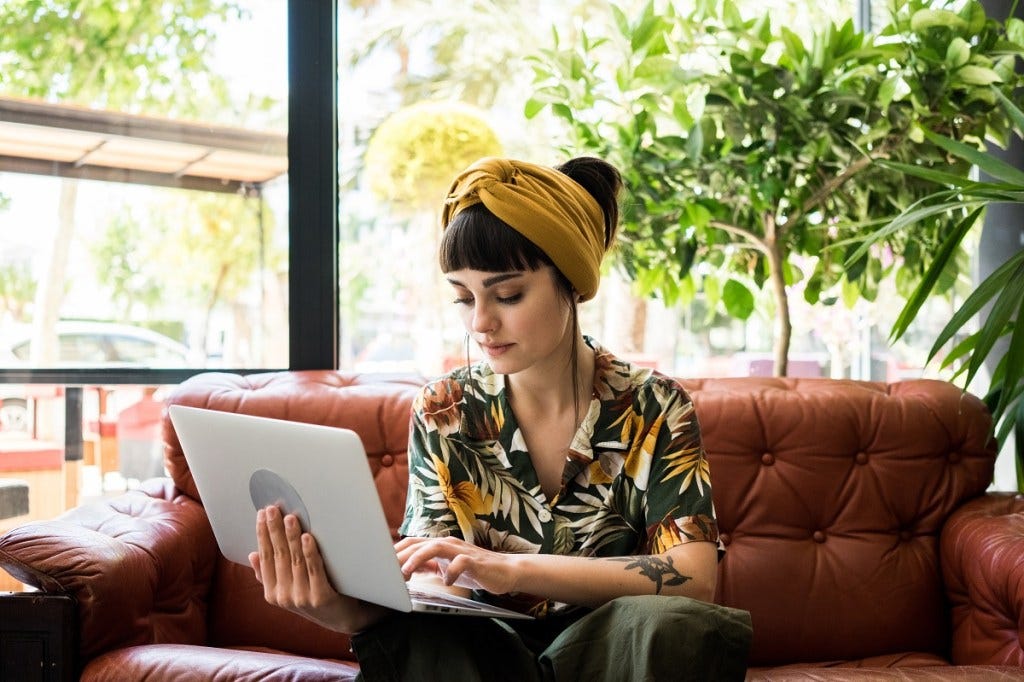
pixel 544 205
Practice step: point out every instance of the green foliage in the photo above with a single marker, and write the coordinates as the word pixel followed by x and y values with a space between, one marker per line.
pixel 1001 293
pixel 139 57
pixel 414 154
pixel 201 248
pixel 217 247
pixel 17 290
pixel 743 144
pixel 151 56
pixel 121 266
pixel 470 51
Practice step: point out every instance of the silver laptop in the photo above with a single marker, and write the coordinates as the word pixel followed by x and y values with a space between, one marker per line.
pixel 242 463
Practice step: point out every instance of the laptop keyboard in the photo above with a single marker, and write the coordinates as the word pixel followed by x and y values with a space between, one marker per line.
pixel 443 599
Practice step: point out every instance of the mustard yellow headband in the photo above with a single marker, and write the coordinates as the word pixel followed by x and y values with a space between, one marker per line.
pixel 544 205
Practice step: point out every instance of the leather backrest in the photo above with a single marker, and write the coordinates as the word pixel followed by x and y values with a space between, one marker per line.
pixel 830 496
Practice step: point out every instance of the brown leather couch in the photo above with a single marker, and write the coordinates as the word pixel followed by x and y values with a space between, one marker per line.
pixel 859 533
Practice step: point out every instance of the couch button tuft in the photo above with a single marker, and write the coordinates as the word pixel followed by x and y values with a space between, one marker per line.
pixel 954 458
pixel 906 535
pixel 861 458
pixel 819 536
pixel 768 459
pixel 387 460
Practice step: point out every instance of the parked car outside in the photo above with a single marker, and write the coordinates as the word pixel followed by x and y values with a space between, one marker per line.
pixel 83 344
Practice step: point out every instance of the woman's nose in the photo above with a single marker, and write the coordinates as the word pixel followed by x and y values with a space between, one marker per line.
pixel 483 319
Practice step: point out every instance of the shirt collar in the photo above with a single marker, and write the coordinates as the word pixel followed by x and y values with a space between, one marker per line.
pixel 613 379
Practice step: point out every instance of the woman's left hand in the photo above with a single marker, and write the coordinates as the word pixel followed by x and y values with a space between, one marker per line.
pixel 458 563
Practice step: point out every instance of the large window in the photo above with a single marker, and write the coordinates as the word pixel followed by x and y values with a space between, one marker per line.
pixel 428 87
pixel 149 226
pixel 144 186
pixel 240 185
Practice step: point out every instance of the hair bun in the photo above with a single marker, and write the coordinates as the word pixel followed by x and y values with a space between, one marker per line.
pixel 603 182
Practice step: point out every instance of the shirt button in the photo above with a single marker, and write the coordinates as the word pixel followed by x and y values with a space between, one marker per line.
pixel 544 515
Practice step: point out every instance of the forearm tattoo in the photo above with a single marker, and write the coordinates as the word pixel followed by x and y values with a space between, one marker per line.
pixel 660 571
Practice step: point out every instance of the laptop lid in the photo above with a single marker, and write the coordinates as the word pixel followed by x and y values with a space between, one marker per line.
pixel 241 463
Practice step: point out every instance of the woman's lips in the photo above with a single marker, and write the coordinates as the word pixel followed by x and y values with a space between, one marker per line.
pixel 494 350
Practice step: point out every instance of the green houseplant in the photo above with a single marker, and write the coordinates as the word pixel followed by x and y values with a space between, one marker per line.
pixel 1002 291
pixel 749 151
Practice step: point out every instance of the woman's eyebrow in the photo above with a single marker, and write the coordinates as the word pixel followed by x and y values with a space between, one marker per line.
pixel 490 281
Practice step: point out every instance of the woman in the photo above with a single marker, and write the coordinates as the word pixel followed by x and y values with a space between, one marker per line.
pixel 552 475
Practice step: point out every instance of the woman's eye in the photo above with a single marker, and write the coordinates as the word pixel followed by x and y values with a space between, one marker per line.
pixel 507 300
pixel 463 301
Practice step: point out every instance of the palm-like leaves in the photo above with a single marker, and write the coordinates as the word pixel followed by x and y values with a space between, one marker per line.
pixel 1002 292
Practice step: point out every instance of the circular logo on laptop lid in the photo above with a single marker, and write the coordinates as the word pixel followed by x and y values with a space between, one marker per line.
pixel 267 488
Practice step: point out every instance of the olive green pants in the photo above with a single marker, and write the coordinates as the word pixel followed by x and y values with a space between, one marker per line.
pixel 630 638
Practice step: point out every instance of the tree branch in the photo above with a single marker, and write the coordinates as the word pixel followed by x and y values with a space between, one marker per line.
pixel 835 183
pixel 755 241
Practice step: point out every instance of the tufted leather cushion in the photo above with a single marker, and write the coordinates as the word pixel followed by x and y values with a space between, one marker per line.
pixel 831 496
pixel 145 576
pixel 377 407
pixel 899 673
pixel 836 500
pixel 983 565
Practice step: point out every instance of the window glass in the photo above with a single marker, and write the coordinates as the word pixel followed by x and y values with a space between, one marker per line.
pixel 143 221
pixel 425 89
pixel 143 183
pixel 81 349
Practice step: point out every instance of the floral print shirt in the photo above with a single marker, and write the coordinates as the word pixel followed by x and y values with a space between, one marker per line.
pixel 635 481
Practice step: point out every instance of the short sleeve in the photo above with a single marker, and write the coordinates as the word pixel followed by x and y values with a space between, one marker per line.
pixel 425 514
pixel 680 508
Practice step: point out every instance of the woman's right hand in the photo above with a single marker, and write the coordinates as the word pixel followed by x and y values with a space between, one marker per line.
pixel 289 566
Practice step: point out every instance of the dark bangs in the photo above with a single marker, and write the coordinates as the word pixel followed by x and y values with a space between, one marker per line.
pixel 477 240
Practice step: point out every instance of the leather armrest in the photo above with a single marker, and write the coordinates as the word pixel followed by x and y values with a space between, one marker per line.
pixel 139 566
pixel 153 663
pixel 982 546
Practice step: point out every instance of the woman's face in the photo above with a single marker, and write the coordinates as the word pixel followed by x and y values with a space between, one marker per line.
pixel 520 319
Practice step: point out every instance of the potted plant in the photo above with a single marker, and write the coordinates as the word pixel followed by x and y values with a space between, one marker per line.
pixel 749 152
